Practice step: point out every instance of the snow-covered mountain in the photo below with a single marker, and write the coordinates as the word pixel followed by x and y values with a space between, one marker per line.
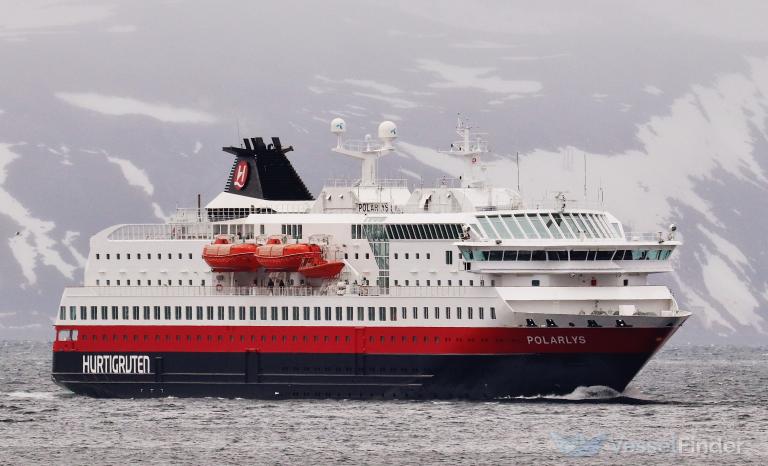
pixel 115 112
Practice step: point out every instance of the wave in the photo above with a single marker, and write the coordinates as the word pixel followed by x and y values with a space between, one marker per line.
pixel 33 395
pixel 588 394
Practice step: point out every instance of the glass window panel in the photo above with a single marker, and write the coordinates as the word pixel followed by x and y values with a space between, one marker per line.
pixel 604 255
pixel 539 225
pixel 558 218
pixel 510 255
pixel 411 232
pixel 422 232
pixel 581 227
pixel 523 255
pixel 590 227
pixel 432 232
pixel 442 233
pixel 549 222
pixel 552 256
pixel 495 255
pixel 512 226
pixel 487 227
pixel 499 226
pixel 539 256
pixel 578 255
pixel 570 224
pixel 598 227
pixel 526 226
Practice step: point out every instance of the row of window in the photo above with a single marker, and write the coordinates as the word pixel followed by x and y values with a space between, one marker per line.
pixel 573 255
pixel 75 335
pixel 265 313
pixel 450 231
pixel 542 225
pixel 140 256
pixel 149 282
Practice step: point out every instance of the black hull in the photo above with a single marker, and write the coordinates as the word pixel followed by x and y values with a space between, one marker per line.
pixel 349 376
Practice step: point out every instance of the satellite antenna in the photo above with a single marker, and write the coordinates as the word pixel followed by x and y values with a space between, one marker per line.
pixel 367 150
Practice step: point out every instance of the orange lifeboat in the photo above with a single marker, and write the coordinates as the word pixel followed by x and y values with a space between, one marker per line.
pixel 224 256
pixel 321 269
pixel 276 256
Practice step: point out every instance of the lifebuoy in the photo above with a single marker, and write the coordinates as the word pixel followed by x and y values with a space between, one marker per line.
pixel 219 287
pixel 474 159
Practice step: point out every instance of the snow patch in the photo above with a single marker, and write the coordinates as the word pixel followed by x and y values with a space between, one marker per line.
pixel 120 106
pixel 133 174
pixel 158 211
pixel 45 16
pixel 69 238
pixel 395 102
pixel 32 243
pixel 653 90
pixel 729 288
pixel 198 147
pixel 454 76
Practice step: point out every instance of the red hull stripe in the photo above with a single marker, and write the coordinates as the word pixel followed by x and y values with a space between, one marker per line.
pixel 371 340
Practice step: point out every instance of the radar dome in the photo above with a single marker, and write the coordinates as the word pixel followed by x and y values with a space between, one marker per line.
pixel 387 130
pixel 338 126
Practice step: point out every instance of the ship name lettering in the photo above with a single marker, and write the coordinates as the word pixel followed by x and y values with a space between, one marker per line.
pixel 115 364
pixel 557 340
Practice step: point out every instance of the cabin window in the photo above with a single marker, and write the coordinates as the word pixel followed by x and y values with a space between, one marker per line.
pixel 94 312
pixel 371 313
pixel 406 256
pixel 426 312
pixel 317 313
pixel 535 282
pixel 199 310
pixel 252 313
pixel 382 314
pixel 126 313
pixel 263 313
pixel 241 312
pixel 447 312
pixel 147 313
pixel 327 313
pixel 296 312
pixel 626 282
pixel 415 312
pixel 177 312
pixel 273 313
pixel 284 312
pixel 360 313
pixel 481 313
pixel 339 313
pixel 104 312
pixel 458 313
pixel 220 313
pixel 306 312
pixel 350 313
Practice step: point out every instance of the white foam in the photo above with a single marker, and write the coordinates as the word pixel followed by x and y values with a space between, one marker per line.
pixel 32 395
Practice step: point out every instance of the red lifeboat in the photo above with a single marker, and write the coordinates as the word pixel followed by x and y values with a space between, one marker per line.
pixel 321 268
pixel 276 256
pixel 224 256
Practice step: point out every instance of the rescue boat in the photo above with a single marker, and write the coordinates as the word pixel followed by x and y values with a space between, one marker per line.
pixel 279 257
pixel 321 269
pixel 225 256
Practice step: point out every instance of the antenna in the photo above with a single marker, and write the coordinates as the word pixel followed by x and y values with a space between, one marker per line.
pixel 518 170
pixel 368 150
pixel 470 150
pixel 237 125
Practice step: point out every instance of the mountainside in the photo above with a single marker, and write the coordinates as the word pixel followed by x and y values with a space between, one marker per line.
pixel 116 113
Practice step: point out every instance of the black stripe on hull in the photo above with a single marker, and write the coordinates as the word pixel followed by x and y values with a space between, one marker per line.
pixel 301 375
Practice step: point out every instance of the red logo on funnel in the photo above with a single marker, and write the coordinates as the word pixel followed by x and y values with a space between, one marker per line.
pixel 241 175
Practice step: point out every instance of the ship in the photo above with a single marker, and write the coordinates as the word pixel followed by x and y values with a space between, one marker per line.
pixel 371 290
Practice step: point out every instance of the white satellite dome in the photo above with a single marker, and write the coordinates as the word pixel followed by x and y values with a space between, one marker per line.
pixel 338 125
pixel 387 131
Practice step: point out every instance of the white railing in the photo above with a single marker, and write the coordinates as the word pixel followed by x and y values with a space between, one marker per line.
pixel 331 290
pixel 166 231
pixel 353 183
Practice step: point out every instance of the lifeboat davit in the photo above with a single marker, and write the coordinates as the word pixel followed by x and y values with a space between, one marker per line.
pixel 224 256
pixel 287 257
pixel 321 269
